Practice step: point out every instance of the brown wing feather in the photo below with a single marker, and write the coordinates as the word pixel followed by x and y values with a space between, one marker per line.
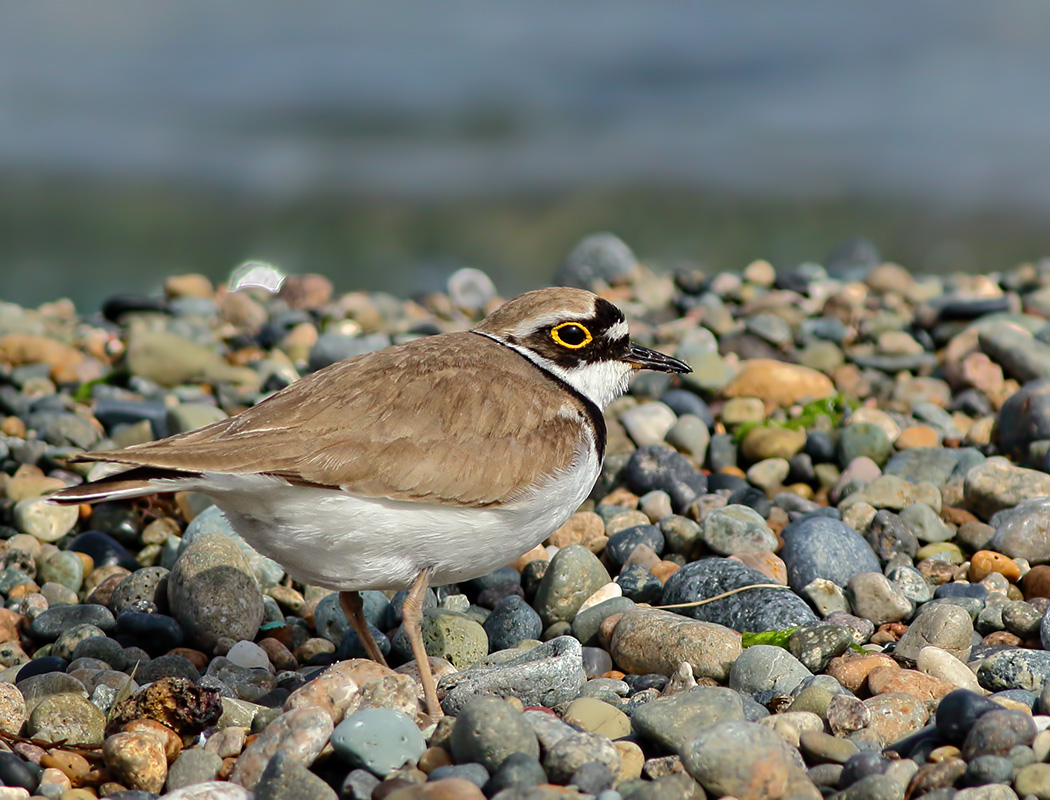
pixel 404 423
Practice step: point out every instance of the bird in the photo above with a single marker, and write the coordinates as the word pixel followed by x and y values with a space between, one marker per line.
pixel 424 463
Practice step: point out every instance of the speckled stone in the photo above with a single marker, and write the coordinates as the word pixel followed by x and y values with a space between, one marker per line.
pixel 67 717
pixel 213 593
pixel 488 730
pixel 137 760
pixel 739 759
pixel 943 626
pixel 546 675
pixel 648 641
pixel 574 574
pixel 300 733
pixel 671 722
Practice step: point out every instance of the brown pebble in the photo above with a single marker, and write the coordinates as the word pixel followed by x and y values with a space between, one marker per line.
pixel 769 564
pixel 1002 637
pixel 538 553
pixel 909 681
pixel 607 628
pixel 917 436
pixel 10 623
pixel 280 656
pixel 852 670
pixel 434 757
pixel 226 769
pixel 957 516
pixel 664 570
pixel 621 496
pixel 172 741
pixel 55 777
pixel 195 657
pixel 227 742
pixel 73 765
pixel 936 571
pixel 985 562
pixel 103 592
pixel 79 794
pixel 313 647
pixel 137 760
pixel 1036 583
pixel 585 528
pixel 938 775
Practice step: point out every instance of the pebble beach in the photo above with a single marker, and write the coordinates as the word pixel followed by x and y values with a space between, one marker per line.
pixel 816 566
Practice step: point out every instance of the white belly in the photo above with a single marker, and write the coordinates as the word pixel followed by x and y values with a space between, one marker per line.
pixel 332 539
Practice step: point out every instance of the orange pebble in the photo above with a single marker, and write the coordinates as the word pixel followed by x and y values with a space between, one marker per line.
pixel 664 570
pixel 985 562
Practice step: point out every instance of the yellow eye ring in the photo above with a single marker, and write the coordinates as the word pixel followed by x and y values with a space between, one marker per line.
pixel 556 335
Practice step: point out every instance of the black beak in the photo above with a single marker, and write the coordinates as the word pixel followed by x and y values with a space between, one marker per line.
pixel 643 358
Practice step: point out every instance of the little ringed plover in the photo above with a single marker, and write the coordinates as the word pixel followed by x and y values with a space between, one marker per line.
pixel 429 462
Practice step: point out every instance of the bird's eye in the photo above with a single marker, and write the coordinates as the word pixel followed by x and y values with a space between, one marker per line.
pixel 572 335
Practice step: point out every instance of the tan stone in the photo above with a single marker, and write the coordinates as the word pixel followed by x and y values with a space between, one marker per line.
pixel 338 689
pixel 137 760
pixel 852 670
pixel 778 383
pixel 925 687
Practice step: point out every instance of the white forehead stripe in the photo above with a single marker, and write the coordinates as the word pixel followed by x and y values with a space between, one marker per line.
pixel 618 331
pixel 533 324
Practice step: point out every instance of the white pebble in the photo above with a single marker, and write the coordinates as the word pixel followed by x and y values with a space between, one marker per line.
pixel 249 655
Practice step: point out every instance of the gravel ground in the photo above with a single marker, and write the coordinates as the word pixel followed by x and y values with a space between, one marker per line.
pixel 817 565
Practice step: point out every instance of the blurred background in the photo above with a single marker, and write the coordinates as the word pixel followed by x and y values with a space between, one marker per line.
pixel 385 144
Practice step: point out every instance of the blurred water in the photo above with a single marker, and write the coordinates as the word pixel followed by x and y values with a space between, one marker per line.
pixel 941 104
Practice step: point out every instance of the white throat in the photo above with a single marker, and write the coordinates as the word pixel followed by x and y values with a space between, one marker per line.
pixel 600 382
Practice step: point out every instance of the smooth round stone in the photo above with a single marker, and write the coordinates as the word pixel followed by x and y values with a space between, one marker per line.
pixel 690 435
pixel 574 574
pixel 925 523
pixel 587 623
pixel 622 543
pixel 648 423
pixel 762 668
pixel 943 626
pixel 1024 531
pixel 739 759
pixel 248 655
pixel 488 730
pixel 821 547
pixel 750 610
pixel 167 666
pixel 873 597
pixel 997 732
pixel 639 584
pixel 721 453
pixel 190 416
pixel 64 568
pixel 119 521
pixel 379 740
pixel 656 467
pixel 191 767
pixel 42 665
pixel 600 256
pixel 737 529
pixel 959 711
pixel 983 770
pixel 17 773
pixel 44 520
pixel 213 593
pixel 519 770
pixel 155 633
pixel 1024 418
pixel 998 486
pixel 67 717
pixel 936 465
pixel 49 625
pixel 653 641
pixel 944 666
pixel 864 439
pixel 596 661
pixel 743 410
pixel 752 498
pixel 820 447
pixel 684 403
pixel 333 346
pixel 212 520
pixel 1022 619
pixel 351 646
pixel 763 443
pixel 511 621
